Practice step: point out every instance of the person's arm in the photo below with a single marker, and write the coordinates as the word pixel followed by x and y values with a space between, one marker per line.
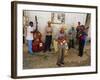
pixel 25 29
pixel 74 33
pixel 87 27
pixel 77 28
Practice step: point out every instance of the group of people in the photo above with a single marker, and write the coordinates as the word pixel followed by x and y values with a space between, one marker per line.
pixel 75 36
pixel 64 40
pixel 30 37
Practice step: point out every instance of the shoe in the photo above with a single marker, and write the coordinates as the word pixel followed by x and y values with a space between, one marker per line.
pixel 63 63
pixel 49 50
pixel 60 65
pixel 80 55
pixel 33 53
pixel 44 51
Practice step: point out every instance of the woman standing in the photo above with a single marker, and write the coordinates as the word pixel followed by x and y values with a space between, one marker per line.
pixel 62 46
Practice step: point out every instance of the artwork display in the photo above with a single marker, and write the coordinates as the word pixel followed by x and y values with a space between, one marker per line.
pixel 53 39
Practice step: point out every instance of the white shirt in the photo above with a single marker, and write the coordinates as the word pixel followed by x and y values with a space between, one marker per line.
pixel 29 34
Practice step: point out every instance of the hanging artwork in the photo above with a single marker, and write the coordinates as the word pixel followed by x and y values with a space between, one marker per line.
pixel 33 56
pixel 58 17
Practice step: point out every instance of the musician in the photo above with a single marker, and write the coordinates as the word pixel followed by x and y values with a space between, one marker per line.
pixel 29 36
pixel 48 38
pixel 62 45
pixel 82 38
pixel 71 35
pixel 77 30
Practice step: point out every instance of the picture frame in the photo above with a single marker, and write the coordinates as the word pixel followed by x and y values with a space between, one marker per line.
pixel 57 18
pixel 17 23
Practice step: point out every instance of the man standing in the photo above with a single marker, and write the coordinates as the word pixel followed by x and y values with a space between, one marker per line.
pixel 82 38
pixel 77 30
pixel 29 36
pixel 48 38
pixel 71 35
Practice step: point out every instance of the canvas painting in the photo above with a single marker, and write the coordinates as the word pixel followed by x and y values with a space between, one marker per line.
pixel 53 39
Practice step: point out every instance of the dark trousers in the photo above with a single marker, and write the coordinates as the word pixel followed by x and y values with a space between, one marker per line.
pixel 48 41
pixel 81 47
pixel 60 59
pixel 71 43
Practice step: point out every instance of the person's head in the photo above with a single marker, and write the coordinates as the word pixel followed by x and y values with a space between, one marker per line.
pixel 79 23
pixel 62 30
pixel 82 27
pixel 31 23
pixel 49 23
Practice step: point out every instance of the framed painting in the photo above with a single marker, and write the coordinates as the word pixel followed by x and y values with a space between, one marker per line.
pixel 49 39
pixel 57 18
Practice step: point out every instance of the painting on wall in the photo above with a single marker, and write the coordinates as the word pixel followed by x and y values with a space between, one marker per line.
pixel 58 18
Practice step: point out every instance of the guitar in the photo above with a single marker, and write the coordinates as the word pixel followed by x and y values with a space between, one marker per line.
pixel 61 40
pixel 38 44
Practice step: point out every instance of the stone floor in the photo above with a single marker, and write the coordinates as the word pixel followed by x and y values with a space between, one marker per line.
pixel 48 59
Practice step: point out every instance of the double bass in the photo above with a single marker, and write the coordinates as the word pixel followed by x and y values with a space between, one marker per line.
pixel 37 44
